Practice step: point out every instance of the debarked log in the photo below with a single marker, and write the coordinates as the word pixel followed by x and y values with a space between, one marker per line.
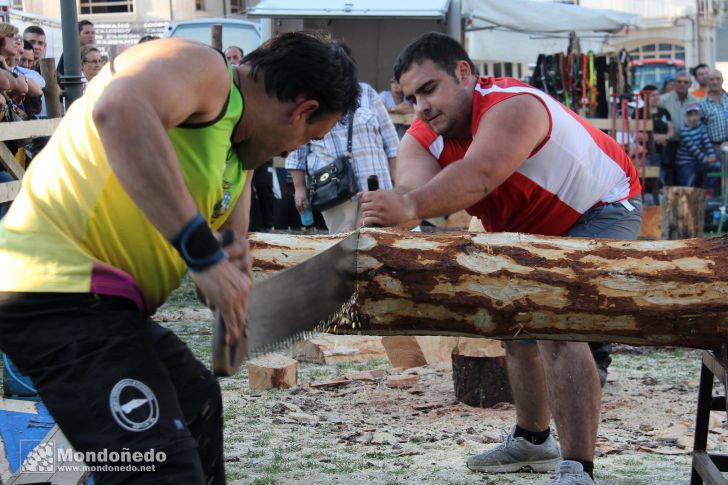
pixel 515 286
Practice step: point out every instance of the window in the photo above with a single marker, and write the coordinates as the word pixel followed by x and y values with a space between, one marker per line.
pixel 237 6
pixel 199 4
pixel 658 51
pixel 106 6
pixel 502 69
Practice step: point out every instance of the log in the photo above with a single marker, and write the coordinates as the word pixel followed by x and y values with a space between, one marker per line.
pixel 683 212
pixel 408 351
pixel 404 380
pixel 512 286
pixel 651 222
pixel 330 349
pixel 272 371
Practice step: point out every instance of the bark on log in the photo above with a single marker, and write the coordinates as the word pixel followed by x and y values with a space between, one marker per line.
pixel 510 286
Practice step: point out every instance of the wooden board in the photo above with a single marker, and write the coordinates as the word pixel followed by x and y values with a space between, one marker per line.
pixel 7 160
pixel 28 129
pixel 607 124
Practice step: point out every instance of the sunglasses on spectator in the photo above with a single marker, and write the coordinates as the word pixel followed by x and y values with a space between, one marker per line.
pixel 97 62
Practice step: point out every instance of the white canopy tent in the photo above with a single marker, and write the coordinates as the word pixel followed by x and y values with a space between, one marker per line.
pixel 518 30
pixel 382 9
pixel 544 17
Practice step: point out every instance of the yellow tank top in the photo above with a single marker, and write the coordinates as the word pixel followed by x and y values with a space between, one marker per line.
pixel 73 228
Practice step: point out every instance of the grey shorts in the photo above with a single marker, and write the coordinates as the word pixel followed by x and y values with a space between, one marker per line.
pixel 618 220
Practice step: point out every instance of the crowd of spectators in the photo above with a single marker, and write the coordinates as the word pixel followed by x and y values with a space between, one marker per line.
pixel 690 127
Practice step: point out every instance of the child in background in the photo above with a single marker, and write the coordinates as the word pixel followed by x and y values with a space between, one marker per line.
pixel 696 155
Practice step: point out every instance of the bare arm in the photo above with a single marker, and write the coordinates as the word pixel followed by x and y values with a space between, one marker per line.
pixel 137 106
pixel 670 130
pixel 33 89
pixel 416 166
pixel 132 117
pixel 300 195
pixel 506 137
pixel 392 162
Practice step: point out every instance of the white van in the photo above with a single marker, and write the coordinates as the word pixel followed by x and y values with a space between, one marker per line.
pixel 241 33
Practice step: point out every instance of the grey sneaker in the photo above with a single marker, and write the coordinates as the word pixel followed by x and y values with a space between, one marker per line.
pixel 571 473
pixel 517 454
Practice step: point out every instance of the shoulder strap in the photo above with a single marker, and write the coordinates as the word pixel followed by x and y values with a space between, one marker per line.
pixel 350 134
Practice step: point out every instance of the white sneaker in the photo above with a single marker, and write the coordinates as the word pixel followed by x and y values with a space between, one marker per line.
pixel 517 454
pixel 571 473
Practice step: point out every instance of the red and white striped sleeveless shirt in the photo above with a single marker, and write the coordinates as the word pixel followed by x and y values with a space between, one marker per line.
pixel 574 169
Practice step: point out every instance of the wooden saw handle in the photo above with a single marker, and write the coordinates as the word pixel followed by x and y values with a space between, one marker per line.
pixel 226 359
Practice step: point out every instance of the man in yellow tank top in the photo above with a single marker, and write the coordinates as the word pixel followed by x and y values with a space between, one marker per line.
pixel 126 197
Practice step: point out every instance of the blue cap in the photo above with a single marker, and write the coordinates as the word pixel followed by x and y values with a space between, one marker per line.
pixel 692 107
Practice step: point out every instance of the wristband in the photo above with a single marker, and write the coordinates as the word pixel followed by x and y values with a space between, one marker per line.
pixel 197 245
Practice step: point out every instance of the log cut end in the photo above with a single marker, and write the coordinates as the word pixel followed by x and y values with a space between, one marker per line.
pixel 272 371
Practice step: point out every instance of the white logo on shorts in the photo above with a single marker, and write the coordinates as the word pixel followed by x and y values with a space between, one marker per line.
pixel 133 405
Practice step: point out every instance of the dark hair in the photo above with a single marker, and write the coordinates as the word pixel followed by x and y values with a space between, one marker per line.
pixel 34 29
pixel 27 46
pixel 307 64
pixel 439 48
pixel 694 70
pixel 84 23
pixel 650 88
pixel 147 38
pixel 235 47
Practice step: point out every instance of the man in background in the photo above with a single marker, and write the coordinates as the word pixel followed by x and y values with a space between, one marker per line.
pixel 86 36
pixel 37 38
pixel 675 103
pixel 234 55
pixel 701 73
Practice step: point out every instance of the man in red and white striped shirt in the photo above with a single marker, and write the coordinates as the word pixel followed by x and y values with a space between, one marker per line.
pixel 521 162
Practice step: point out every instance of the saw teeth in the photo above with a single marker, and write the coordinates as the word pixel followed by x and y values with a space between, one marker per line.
pixel 346 320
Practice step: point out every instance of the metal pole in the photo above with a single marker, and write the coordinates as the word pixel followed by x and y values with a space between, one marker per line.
pixel 216 34
pixel 71 55
pixel 455 21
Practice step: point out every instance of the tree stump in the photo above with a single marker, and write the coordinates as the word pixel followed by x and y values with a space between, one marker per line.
pixel 683 212
pixel 479 373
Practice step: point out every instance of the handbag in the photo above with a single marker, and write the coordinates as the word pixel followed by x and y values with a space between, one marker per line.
pixel 335 183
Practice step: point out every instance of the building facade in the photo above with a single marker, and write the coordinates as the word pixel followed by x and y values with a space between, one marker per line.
pixel 687 30
pixel 106 11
